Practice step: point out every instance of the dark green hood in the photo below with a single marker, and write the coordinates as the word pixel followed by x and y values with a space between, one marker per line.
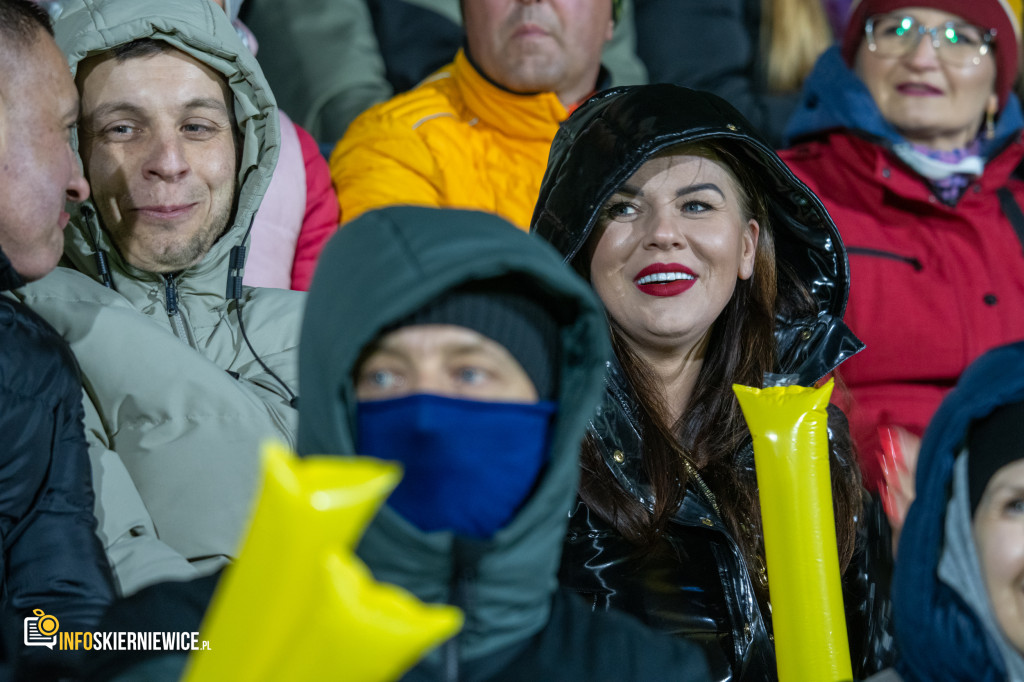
pixel 379 269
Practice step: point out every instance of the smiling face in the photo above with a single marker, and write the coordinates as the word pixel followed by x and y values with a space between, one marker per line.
pixel 38 167
pixel 668 250
pixel 928 101
pixel 999 535
pixel 445 360
pixel 159 149
pixel 547 46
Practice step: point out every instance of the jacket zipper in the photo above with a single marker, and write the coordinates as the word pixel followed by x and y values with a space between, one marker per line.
pixel 173 312
pixel 466 555
pixel 879 253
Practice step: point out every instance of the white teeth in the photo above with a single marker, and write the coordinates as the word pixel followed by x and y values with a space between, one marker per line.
pixel 663 277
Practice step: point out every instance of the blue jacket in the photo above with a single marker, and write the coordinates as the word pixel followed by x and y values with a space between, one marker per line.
pixel 939 635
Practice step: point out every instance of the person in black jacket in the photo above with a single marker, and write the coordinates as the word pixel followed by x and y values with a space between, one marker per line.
pixel 716 266
pixel 52 560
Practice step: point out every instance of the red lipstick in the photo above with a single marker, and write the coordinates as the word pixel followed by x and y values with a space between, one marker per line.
pixel 664 279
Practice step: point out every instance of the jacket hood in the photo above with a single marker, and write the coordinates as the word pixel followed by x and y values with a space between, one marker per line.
pixel 835 98
pixel 203 31
pixel 399 259
pixel 940 635
pixel 614 133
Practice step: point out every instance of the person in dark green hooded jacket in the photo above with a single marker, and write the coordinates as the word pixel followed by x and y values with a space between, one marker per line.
pixel 475 357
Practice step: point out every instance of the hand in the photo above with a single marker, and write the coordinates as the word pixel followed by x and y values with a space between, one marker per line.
pixel 899 462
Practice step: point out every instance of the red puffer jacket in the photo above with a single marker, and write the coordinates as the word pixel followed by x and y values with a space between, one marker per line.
pixel 931 286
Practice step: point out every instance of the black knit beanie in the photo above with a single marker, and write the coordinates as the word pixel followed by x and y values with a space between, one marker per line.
pixel 519 323
pixel 992 443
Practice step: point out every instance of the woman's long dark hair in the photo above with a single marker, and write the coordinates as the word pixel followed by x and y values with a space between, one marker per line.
pixel 711 431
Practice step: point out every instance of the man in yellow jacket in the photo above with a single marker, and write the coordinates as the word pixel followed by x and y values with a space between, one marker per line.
pixel 476 133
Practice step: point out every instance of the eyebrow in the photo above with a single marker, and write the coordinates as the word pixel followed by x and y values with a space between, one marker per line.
pixel 1010 487
pixel 682 191
pixel 135 109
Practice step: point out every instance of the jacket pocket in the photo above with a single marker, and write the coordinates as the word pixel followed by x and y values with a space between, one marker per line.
pixel 881 253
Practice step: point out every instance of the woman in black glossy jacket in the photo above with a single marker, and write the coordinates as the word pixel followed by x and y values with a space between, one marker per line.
pixel 716 266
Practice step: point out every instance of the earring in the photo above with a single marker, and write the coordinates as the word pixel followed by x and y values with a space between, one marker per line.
pixel 990 125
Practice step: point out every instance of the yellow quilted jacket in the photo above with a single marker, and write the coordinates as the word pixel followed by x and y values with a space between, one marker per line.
pixel 456 140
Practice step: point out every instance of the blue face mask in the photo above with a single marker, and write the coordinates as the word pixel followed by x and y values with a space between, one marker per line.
pixel 469 465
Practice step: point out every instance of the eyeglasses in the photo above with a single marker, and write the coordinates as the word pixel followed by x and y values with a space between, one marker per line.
pixel 957 44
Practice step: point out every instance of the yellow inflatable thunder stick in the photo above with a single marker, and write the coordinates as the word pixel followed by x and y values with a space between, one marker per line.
pixel 298 604
pixel 789 425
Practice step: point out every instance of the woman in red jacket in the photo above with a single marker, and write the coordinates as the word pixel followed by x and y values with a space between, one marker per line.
pixel 911 136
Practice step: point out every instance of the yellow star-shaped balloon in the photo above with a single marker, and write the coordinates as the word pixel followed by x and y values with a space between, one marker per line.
pixel 298 604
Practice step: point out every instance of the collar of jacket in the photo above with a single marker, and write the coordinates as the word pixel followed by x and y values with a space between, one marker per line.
pixel 834 97
pixel 9 277
pixel 802 347
pixel 203 32
pixel 879 168
pixel 530 117
pixel 615 425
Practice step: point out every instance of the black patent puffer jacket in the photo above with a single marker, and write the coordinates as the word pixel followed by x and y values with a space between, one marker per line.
pixel 697 583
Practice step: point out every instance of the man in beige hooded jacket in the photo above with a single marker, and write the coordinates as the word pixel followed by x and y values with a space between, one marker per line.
pixel 185 370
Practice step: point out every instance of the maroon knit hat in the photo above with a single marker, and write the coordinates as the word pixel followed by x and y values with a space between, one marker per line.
pixel 1001 15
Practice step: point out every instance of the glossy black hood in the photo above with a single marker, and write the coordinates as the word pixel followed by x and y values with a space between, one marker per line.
pixel 611 135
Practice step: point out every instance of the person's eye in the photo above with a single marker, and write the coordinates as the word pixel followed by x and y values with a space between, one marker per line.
pixel 383 378
pixel 696 206
pixel 200 130
pixel 897 27
pixel 1015 506
pixel 379 380
pixel 121 131
pixel 471 375
pixel 620 210
pixel 963 35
